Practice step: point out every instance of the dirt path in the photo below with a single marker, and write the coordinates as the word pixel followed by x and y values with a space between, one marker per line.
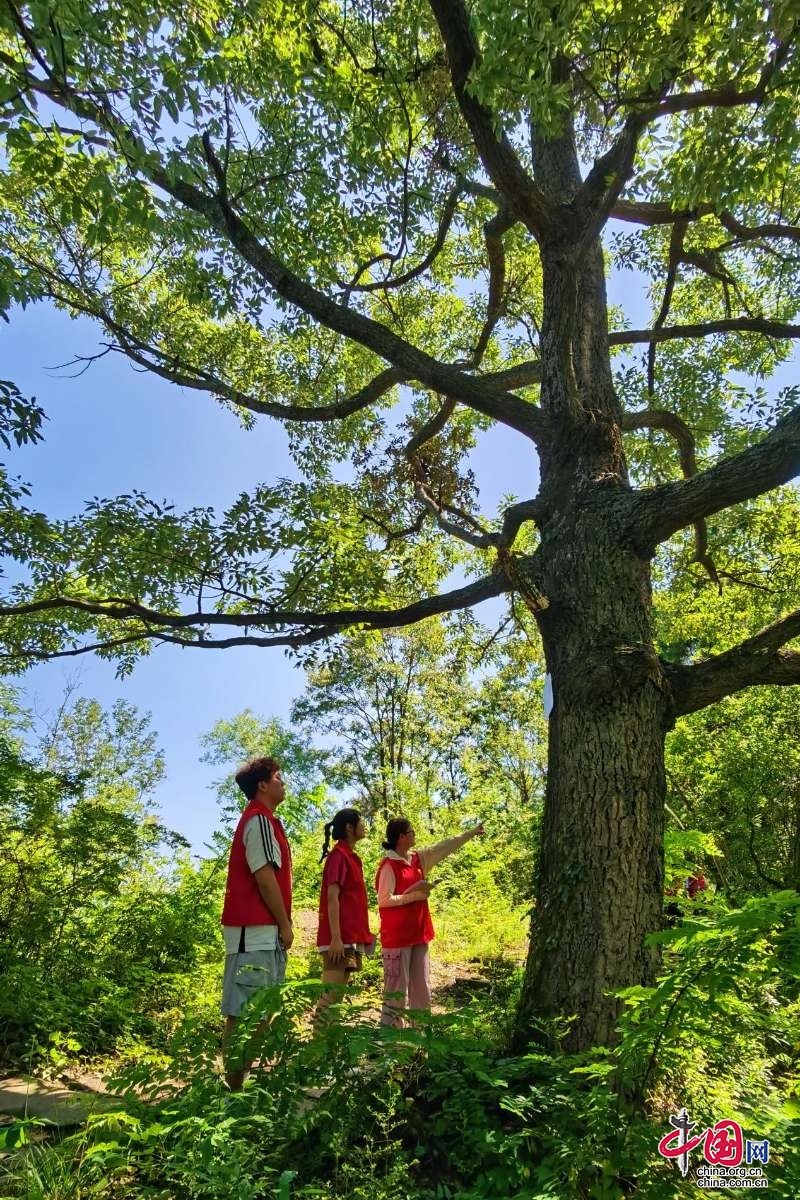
pixel 69 1102
pixel 22 1096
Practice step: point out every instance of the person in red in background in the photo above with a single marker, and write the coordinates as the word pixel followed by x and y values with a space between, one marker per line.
pixel 695 883
pixel 343 935
pixel 256 915
pixel 406 926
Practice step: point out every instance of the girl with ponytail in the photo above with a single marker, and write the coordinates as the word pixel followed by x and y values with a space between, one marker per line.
pixel 343 935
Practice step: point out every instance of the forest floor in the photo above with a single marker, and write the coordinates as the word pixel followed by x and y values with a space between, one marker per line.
pixel 79 1091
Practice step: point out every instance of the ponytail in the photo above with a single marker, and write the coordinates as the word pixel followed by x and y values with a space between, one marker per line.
pixel 327 842
pixel 337 828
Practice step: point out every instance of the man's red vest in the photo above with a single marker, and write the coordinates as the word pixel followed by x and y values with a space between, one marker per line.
pixel 353 906
pixel 243 903
pixel 408 924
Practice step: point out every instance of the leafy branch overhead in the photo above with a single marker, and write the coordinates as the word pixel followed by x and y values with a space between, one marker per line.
pixel 342 218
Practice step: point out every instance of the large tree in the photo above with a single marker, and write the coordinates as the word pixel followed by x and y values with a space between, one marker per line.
pixel 388 224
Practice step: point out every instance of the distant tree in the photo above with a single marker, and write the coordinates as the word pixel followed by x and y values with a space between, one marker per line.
pixel 431 712
pixel 114 753
pixel 301 209
pixel 100 908
pixel 508 722
pixel 733 768
pixel 234 740
pixel 734 771
pixel 393 706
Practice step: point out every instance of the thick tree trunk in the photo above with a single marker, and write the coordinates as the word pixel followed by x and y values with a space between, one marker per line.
pixel 599 886
pixel 600 874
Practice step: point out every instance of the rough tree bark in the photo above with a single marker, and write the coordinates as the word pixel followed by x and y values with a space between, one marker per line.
pixel 599 884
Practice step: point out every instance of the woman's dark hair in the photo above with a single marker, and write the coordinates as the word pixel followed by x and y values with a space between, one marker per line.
pixel 394 830
pixel 337 828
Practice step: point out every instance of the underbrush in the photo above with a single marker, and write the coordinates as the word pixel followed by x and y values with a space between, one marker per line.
pixel 440 1112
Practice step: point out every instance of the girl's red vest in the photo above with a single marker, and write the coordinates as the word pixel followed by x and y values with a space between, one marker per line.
pixel 408 924
pixel 353 906
pixel 243 903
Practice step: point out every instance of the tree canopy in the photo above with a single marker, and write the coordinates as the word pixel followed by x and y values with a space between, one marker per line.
pixel 273 202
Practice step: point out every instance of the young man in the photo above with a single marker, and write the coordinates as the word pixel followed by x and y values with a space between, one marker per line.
pixel 256 916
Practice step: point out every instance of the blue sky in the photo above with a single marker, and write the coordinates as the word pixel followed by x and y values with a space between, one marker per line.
pixel 114 429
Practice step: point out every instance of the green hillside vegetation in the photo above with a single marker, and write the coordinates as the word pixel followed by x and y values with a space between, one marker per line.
pixel 117 967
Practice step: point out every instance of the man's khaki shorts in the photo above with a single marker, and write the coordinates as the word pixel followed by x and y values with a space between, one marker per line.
pixel 246 973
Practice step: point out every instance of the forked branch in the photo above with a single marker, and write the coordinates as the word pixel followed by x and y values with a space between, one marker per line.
pixel 215 208
pixel 456 521
pixel 761 659
pixel 599 196
pixel 640 212
pixel 673 425
pixel 657 513
pixel 497 154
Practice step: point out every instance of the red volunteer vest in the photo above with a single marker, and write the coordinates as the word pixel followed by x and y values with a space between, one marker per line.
pixel 353 906
pixel 410 924
pixel 243 903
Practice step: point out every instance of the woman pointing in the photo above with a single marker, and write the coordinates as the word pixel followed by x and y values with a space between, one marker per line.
pixel 406 927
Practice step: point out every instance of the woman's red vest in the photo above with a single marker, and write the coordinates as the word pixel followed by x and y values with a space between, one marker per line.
pixel 353 906
pixel 243 903
pixel 407 924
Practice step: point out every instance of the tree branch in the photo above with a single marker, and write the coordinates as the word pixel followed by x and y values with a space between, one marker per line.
pixel 468 529
pixel 659 512
pixel 502 406
pixel 677 238
pixel 601 189
pixel 726 95
pixel 514 518
pixel 672 424
pixel 167 365
pixel 527 373
pixel 496 152
pixel 642 213
pixel 748 233
pixel 430 429
pixel 293 641
pixel 760 659
pixel 524 374
pixel 198 379
pixel 600 193
pixel 215 208
pixel 762 325
pixel 379 285
pixel 324 623
pixel 603 185
pixel 479 538
pixel 661 418
pixel 493 236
